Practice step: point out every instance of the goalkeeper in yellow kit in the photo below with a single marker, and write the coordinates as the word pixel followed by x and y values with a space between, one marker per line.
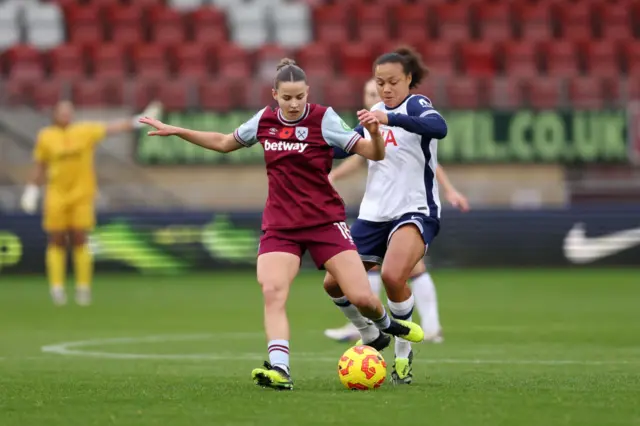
pixel 64 160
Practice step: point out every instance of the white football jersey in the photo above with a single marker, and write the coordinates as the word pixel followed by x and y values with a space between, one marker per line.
pixel 405 181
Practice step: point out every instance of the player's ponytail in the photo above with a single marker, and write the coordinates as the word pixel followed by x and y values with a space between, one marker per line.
pixel 410 60
pixel 287 70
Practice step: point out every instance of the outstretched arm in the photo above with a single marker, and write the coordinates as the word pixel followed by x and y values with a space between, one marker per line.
pixel 450 192
pixel 214 141
pixel 154 110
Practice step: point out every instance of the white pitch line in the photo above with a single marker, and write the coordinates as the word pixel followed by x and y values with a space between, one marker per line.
pixel 76 349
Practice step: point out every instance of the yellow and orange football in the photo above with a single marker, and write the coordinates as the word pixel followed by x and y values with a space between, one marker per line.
pixel 362 368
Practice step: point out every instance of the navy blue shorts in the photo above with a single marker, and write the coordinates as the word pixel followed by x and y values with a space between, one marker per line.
pixel 372 238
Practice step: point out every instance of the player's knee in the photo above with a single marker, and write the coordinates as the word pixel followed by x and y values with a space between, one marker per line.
pixel 274 292
pixel 331 286
pixel 367 301
pixel 393 278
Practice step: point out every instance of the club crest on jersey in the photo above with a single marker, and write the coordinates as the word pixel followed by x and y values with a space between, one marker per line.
pixel 302 133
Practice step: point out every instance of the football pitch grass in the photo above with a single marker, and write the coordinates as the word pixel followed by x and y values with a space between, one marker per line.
pixel 522 347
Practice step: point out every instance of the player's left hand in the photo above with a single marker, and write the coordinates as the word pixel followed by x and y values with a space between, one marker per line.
pixel 368 121
pixel 382 116
pixel 161 128
pixel 458 200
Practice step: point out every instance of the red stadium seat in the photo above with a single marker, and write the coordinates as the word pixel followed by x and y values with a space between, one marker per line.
pixel 332 23
pixel 256 94
pixel 316 59
pixel 85 25
pixel 494 20
pixel 216 96
pixel 271 53
pixel 89 92
pixel 478 58
pixel 106 3
pixel 149 3
pixel 209 25
pixel 632 57
pixel 142 91
pixel 431 88
pixel 192 61
pixel 602 59
pixel 586 92
pixel 440 57
pixel 372 23
pixel 561 58
pixel 544 92
pixel 25 63
pixel 126 24
pixel 356 59
pixel 534 20
pixel 342 93
pixel 175 94
pixel 150 61
pixel 575 20
pixel 615 20
pixel 109 61
pixel 412 22
pixel 234 62
pixel 520 58
pixel 463 92
pixel 267 58
pixel 167 28
pixel 452 21
pixel 632 89
pixel 67 61
pixel 506 92
pixel 48 92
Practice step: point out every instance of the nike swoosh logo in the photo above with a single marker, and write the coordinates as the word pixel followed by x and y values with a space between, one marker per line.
pixel 578 248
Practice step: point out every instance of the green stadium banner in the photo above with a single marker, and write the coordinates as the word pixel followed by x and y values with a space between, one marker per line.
pixel 474 137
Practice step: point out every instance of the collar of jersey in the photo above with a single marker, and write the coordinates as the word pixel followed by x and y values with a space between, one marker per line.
pixel 291 122
pixel 399 105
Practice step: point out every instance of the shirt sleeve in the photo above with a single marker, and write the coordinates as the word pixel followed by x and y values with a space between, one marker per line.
pixel 93 132
pixel 40 154
pixel 421 118
pixel 337 133
pixel 247 133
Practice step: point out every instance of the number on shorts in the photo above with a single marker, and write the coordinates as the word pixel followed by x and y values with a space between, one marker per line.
pixel 344 230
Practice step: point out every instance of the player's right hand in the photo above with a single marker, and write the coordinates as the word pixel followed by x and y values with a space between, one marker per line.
pixel 29 200
pixel 369 121
pixel 162 129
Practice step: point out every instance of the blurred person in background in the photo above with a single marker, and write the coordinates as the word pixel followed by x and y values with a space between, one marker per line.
pixel 421 282
pixel 64 160
pixel 303 211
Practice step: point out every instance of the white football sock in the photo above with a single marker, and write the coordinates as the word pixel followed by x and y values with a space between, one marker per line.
pixel 367 330
pixel 426 302
pixel 402 311
pixel 279 354
pixel 375 281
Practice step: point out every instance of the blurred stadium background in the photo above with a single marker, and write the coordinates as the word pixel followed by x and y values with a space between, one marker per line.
pixel 543 104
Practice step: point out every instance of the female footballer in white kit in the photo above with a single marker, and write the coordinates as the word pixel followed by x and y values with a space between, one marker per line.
pixel 400 212
pixel 424 290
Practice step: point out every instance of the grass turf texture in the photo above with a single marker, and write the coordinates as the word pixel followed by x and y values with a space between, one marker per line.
pixel 555 347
